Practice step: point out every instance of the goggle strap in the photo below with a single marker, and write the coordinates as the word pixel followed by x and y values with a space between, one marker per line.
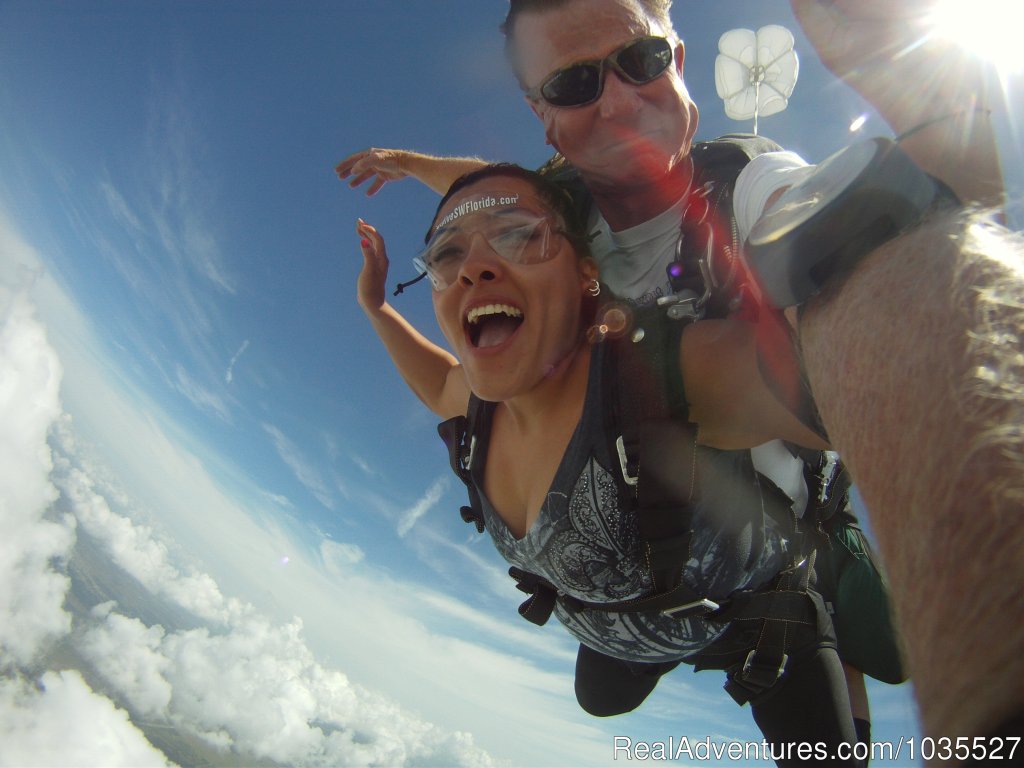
pixel 402 286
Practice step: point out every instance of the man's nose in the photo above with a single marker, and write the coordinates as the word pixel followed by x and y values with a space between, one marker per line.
pixel 618 97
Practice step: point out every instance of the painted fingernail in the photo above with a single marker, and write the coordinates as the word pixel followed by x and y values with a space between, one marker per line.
pixel 365 243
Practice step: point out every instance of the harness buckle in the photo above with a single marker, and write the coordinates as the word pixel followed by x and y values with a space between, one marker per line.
pixel 681 306
pixel 624 462
pixel 760 673
pixel 701 607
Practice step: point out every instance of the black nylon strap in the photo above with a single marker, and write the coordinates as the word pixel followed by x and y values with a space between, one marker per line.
pixel 453 432
pixel 679 602
pixel 538 607
pixel 458 434
pixel 649 412
pixel 787 604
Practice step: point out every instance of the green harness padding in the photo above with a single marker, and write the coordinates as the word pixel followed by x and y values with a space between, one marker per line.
pixel 861 614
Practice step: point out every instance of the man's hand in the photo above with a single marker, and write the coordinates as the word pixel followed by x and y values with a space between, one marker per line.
pixel 384 165
pixel 854 36
pixel 889 53
pixel 932 92
pixel 381 165
pixel 370 288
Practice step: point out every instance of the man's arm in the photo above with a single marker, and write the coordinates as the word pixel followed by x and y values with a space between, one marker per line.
pixel 916 364
pixel 743 383
pixel 384 165
pixel 928 89
pixel 433 374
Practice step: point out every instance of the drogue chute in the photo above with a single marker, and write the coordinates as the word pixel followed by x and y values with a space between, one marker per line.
pixel 755 72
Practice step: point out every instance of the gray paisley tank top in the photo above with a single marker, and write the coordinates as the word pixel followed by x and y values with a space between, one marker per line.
pixel 588 545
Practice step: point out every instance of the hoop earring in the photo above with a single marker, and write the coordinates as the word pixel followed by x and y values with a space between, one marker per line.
pixel 595 288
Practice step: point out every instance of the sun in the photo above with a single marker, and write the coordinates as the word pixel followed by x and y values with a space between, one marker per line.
pixel 989 29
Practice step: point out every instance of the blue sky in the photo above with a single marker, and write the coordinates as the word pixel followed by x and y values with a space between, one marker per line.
pixel 191 391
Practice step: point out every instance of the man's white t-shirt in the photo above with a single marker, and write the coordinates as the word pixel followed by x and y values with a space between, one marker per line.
pixel 633 264
pixel 633 261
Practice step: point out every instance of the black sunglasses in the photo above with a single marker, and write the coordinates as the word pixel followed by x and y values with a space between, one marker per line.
pixel 638 62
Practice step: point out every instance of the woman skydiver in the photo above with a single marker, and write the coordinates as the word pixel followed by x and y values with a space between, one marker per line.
pixel 515 296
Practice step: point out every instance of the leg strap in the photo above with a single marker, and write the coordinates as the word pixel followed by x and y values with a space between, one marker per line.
pixel 765 628
pixel 788 612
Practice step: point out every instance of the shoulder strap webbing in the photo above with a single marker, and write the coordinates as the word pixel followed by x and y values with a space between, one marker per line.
pixel 727 154
pixel 655 442
pixel 708 261
pixel 459 434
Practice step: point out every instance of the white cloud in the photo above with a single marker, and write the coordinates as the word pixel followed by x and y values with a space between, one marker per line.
pixel 121 210
pixel 522 636
pixel 339 557
pixel 67 724
pixel 31 591
pixel 182 185
pixel 250 686
pixel 200 396
pixel 435 546
pixel 135 549
pixel 257 690
pixel 229 375
pixel 304 472
pixel 424 505
pixel 375 624
pixel 364 466
pixel 275 498
pixel 127 654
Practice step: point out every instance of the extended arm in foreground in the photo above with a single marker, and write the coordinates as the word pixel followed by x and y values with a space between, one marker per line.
pixel 916 366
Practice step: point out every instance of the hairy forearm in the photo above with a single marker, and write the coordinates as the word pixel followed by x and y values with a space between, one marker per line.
pixel 916 365
pixel 438 173
pixel 423 365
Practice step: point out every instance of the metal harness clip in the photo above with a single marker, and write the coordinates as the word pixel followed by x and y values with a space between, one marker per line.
pixel 702 607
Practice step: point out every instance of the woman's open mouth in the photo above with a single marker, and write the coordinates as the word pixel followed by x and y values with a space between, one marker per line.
pixel 492 324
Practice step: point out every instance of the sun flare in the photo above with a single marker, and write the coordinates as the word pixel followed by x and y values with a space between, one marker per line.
pixel 987 28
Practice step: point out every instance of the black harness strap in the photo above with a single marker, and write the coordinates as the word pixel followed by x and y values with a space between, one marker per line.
pixel 655 443
pixel 778 610
pixel 458 434
pixel 543 594
pixel 829 487
pixel 764 627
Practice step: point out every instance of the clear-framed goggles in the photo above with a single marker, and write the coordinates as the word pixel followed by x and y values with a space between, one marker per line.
pixel 517 234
